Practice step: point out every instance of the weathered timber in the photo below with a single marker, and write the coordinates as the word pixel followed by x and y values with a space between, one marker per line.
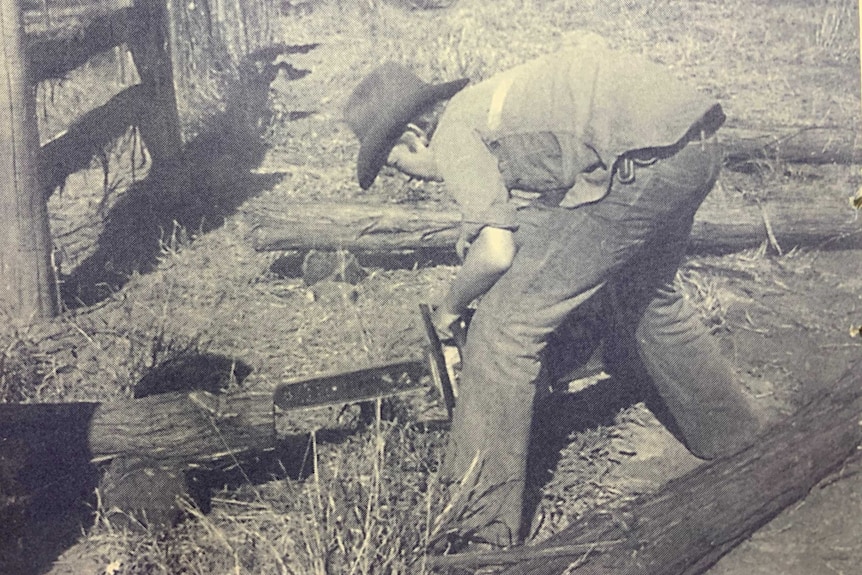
pixel 813 145
pixel 179 429
pixel 382 228
pixel 208 45
pixel 86 138
pixel 684 528
pixel 43 438
pixel 47 483
pixel 55 57
pixel 159 123
pixel 27 280
pixel 723 228
pixel 363 227
pixel 199 428
pixel 196 428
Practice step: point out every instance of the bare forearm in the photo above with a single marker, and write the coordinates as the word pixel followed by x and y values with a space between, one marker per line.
pixel 489 257
pixel 469 284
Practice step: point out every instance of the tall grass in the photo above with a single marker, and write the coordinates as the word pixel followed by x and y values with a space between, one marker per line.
pixel 371 505
pixel 367 508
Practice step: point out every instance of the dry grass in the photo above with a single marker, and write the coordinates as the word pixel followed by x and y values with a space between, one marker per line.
pixel 372 502
pixel 366 509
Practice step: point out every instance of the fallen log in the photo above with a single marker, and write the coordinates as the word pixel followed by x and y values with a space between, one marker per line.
pixel 50 454
pixel 684 528
pixel 196 429
pixel 812 145
pixel 151 442
pixel 385 228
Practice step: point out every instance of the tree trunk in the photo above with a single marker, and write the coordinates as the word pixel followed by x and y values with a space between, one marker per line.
pixel 150 47
pixel 208 44
pixel 26 273
pixel 175 429
pixel 196 428
pixel 693 521
pixel 814 145
pixel 382 228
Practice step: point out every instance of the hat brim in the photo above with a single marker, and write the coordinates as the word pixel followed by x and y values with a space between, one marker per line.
pixel 378 142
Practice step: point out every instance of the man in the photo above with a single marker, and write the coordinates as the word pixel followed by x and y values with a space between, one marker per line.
pixel 617 156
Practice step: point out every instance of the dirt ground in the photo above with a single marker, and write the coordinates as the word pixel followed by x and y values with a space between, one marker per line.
pixel 150 277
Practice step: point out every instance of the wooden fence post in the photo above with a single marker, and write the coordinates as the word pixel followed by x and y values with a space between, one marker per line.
pixel 27 280
pixel 150 47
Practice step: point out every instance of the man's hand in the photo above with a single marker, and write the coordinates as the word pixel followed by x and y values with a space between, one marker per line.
pixel 443 321
pixel 462 246
pixel 489 257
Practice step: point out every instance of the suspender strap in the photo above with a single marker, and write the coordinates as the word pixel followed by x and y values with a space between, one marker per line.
pixel 495 111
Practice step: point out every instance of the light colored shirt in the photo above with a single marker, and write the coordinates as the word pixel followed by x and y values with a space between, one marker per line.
pixel 555 127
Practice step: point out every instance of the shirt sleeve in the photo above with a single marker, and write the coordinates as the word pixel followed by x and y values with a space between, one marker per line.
pixel 472 176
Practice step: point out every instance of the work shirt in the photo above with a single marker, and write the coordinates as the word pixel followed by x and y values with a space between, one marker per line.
pixel 556 126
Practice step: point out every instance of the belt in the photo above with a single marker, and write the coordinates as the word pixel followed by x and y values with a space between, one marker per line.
pixel 624 168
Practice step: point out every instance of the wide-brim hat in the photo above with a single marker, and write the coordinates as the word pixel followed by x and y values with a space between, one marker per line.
pixel 380 108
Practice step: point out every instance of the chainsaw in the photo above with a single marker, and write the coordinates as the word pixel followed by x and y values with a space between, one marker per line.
pixel 440 360
pixel 581 364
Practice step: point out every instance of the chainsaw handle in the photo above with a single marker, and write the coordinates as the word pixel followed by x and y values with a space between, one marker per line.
pixel 459 333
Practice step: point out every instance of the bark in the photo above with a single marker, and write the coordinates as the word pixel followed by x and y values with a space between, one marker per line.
pixel 174 429
pixel 387 228
pixel 684 528
pixel 27 284
pixel 159 123
pixel 813 145
pixel 197 428
pixel 208 46
pixel 362 227
pixel 784 226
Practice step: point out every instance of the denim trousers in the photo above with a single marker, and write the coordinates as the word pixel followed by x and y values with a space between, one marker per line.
pixel 625 249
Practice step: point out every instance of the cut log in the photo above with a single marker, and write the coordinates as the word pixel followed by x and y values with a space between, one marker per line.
pixel 196 429
pixel 689 524
pixel 813 145
pixel 49 452
pixel 383 228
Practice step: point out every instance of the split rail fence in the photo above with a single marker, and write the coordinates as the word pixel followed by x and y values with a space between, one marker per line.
pixel 180 50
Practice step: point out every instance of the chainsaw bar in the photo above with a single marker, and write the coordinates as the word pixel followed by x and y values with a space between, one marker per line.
pixel 364 384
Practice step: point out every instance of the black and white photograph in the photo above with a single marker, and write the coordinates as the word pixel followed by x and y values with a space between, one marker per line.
pixel 431 287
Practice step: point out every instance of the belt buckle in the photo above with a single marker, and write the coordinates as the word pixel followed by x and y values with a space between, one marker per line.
pixel 626 170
